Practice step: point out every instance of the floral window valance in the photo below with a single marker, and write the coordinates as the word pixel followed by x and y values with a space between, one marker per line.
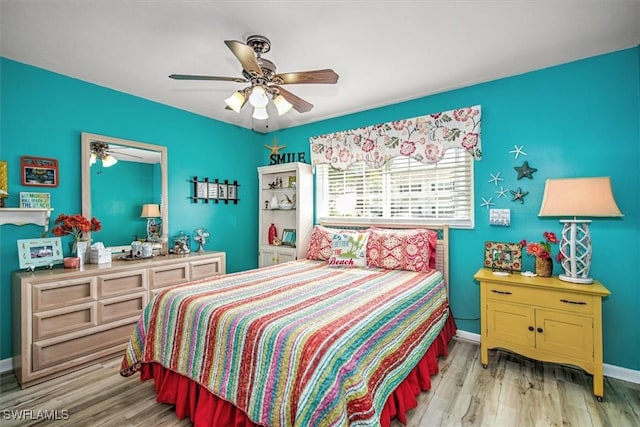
pixel 424 138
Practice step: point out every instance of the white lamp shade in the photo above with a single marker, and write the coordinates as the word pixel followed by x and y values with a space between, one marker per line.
pixel 150 211
pixel 258 97
pixel 260 113
pixel 109 160
pixel 282 105
pixel 579 197
pixel 235 101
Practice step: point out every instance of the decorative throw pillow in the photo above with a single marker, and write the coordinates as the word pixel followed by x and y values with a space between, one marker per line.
pixel 409 249
pixel 320 243
pixel 349 249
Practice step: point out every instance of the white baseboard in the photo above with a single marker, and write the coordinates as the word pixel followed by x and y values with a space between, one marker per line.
pixel 6 365
pixel 611 371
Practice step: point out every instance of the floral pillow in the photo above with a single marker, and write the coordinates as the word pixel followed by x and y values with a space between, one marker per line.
pixel 412 249
pixel 349 249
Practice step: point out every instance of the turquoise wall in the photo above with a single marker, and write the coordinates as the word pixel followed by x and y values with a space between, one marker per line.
pixel 578 119
pixel 43 114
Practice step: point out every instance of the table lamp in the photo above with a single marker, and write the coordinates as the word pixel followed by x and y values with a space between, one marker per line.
pixel 578 198
pixel 151 212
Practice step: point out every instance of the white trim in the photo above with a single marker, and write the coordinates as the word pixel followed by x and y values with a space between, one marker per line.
pixel 6 365
pixel 611 371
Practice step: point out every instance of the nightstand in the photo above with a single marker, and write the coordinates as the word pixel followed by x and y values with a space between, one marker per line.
pixel 543 318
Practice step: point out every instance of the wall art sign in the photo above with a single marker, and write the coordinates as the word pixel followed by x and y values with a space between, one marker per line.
pixel 39 171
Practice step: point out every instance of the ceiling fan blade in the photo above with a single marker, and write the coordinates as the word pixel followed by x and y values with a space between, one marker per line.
pixel 246 56
pixel 307 77
pixel 192 77
pixel 299 104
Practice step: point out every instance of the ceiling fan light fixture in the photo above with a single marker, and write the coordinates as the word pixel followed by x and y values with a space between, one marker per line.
pixel 235 101
pixel 109 160
pixel 260 113
pixel 92 159
pixel 258 98
pixel 282 105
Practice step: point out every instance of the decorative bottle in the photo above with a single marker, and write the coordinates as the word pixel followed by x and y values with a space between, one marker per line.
pixel 272 234
pixel 274 202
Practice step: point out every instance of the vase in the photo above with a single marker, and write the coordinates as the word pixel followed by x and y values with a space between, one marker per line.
pixel 544 267
pixel 79 249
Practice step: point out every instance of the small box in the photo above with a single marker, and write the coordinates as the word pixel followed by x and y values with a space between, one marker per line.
pixel 100 256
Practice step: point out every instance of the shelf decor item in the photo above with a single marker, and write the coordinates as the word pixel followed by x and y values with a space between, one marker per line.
pixel 200 236
pixel 579 198
pixel 499 256
pixel 76 226
pixel 542 253
pixel 34 253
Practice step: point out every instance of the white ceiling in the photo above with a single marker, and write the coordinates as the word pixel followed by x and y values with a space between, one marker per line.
pixel 384 51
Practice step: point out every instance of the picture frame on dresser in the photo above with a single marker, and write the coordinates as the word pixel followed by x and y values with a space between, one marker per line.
pixel 34 253
pixel 289 237
pixel 502 256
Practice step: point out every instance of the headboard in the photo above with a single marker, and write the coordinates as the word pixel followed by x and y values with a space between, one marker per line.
pixel 442 244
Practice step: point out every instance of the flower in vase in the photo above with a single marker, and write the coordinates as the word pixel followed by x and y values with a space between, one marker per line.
pixel 75 225
pixel 541 249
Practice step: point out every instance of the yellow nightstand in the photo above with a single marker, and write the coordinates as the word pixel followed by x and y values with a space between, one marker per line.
pixel 543 318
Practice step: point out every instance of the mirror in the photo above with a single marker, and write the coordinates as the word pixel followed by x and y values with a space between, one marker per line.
pixel 119 176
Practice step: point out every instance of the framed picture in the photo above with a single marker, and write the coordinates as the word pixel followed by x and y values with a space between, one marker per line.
pixel 503 256
pixel 232 192
pixel 222 191
pixel 289 237
pixel 212 190
pixel 35 200
pixel 201 190
pixel 39 171
pixel 34 253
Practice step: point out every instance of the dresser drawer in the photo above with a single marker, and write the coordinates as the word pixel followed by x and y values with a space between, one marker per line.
pixel 565 301
pixel 54 351
pixel 62 321
pixel 112 309
pixel 122 283
pixel 206 268
pixel 52 295
pixel 169 275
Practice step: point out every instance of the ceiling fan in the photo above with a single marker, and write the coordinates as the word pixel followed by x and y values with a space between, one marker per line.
pixel 264 82
pixel 102 151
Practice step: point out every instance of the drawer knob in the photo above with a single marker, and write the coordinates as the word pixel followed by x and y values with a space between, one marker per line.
pixel 501 292
pixel 531 328
pixel 539 330
pixel 566 301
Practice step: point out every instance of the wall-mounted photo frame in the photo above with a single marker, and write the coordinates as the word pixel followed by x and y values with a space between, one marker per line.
pixel 289 237
pixel 201 190
pixel 39 171
pixel 232 192
pixel 34 253
pixel 222 191
pixel 212 190
pixel 503 256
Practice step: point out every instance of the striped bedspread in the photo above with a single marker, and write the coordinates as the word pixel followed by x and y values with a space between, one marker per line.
pixel 296 344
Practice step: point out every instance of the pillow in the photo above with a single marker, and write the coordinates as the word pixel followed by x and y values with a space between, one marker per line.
pixel 411 249
pixel 320 243
pixel 349 249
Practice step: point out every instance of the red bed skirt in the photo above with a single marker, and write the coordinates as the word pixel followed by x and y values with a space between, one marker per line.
pixel 207 410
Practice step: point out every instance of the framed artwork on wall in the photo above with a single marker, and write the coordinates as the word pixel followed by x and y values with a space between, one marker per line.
pixel 503 256
pixel 232 192
pixel 39 171
pixel 34 253
pixel 222 191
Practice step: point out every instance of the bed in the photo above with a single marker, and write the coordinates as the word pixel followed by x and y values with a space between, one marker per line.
pixel 303 343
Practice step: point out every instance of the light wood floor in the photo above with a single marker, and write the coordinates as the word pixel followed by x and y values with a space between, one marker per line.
pixel 512 391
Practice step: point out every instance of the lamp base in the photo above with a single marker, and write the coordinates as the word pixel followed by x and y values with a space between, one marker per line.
pixel 580 280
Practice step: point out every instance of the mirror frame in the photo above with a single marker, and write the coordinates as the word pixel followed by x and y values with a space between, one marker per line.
pixel 85 153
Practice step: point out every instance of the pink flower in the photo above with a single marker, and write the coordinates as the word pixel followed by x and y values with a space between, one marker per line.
pixel 407 148
pixel 462 114
pixel 432 152
pixel 328 153
pixel 470 140
pixel 344 155
pixel 542 249
pixel 368 145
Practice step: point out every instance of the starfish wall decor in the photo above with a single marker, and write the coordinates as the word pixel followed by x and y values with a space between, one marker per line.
pixel 525 171
pixel 518 195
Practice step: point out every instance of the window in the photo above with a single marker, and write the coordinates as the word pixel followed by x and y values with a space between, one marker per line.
pixel 404 190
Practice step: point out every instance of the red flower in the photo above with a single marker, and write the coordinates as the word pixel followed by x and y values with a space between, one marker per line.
pixel 542 249
pixel 76 225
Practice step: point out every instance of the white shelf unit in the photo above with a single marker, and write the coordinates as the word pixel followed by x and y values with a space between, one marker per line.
pixel 299 218
pixel 22 216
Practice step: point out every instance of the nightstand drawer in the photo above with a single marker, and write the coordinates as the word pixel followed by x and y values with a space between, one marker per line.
pixel 565 301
